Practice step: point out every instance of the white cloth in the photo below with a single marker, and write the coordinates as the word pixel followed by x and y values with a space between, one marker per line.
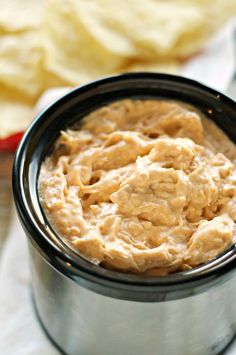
pixel 20 332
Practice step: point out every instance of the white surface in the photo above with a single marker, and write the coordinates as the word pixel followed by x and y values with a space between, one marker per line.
pixel 216 64
pixel 20 332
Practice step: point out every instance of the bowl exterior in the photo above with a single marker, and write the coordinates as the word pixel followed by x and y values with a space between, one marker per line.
pixel 83 322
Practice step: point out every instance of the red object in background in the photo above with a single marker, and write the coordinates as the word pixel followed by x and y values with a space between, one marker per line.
pixel 11 142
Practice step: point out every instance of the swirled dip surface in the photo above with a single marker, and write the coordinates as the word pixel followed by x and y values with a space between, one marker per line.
pixel 143 186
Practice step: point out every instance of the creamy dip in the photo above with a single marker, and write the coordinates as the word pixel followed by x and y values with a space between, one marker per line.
pixel 144 186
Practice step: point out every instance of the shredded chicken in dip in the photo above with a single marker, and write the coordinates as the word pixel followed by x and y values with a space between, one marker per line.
pixel 144 186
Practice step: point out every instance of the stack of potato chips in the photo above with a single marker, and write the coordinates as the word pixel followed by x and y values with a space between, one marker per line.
pixel 48 43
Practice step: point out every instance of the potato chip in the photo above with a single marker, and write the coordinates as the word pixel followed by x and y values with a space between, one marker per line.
pixel 16 112
pixel 21 61
pixel 22 64
pixel 51 43
pixel 215 11
pixel 18 15
pixel 101 41
pixel 105 35
pixel 50 80
pixel 82 57
pixel 100 25
pixel 154 29
pixel 171 67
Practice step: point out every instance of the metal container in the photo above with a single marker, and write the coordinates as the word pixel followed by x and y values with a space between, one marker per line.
pixel 88 310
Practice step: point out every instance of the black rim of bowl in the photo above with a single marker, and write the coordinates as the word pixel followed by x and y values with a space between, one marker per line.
pixel 52 247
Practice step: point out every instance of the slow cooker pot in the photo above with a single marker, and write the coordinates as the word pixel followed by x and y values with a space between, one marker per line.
pixel 88 310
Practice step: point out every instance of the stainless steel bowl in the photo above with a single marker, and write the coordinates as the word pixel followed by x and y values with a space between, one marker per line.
pixel 88 310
